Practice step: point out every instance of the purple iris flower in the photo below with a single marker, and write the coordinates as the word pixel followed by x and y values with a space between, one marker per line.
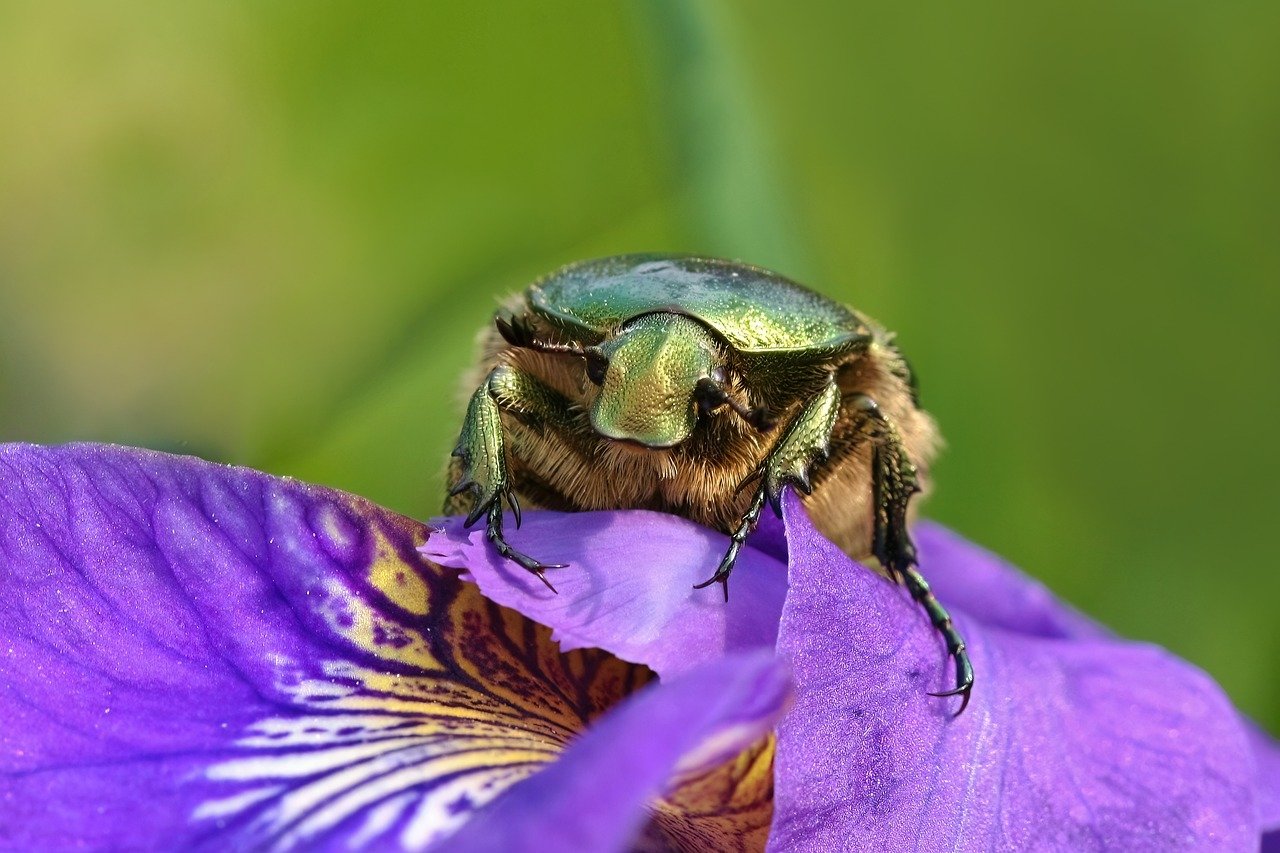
pixel 194 656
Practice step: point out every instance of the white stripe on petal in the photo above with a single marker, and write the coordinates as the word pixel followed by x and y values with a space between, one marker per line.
pixel 411 759
pixel 380 820
pixel 214 809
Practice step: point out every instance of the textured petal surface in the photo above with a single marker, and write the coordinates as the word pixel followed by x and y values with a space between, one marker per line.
pixel 628 587
pixel 202 656
pixel 1266 754
pixel 593 797
pixel 969 578
pixel 1067 745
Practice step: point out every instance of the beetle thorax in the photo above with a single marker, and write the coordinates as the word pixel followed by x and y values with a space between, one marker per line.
pixel 647 396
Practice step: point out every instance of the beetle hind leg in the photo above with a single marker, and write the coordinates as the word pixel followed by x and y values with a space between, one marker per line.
pixel 893 483
pixel 941 621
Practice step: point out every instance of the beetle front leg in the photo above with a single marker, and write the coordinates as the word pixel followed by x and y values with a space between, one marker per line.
pixel 893 482
pixel 806 441
pixel 481 449
pixel 736 540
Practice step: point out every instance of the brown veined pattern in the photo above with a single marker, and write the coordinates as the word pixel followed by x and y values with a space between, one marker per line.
pixel 728 808
pixel 445 701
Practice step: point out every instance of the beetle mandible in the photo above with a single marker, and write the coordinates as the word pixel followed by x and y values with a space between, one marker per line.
pixel 699 387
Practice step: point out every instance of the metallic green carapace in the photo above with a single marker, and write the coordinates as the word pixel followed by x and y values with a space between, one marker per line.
pixel 703 388
pixel 751 308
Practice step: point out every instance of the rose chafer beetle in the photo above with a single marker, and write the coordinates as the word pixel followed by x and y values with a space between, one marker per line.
pixel 699 387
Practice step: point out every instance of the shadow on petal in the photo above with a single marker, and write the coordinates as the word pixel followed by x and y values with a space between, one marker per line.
pixel 1081 745
pixel 628 587
pixel 594 796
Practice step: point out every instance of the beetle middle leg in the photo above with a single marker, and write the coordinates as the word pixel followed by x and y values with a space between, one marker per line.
pixel 806 441
pixel 893 482
pixel 481 449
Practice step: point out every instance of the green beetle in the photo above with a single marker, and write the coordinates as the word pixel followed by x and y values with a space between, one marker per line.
pixel 675 383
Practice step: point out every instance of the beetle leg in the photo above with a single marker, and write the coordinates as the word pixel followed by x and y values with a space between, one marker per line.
pixel 893 482
pixel 481 450
pixel 493 531
pixel 736 539
pixel 806 441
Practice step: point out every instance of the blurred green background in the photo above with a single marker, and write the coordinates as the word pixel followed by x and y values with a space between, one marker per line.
pixel 267 234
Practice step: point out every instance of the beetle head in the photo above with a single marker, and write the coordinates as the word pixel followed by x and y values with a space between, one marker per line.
pixel 656 376
pixel 648 375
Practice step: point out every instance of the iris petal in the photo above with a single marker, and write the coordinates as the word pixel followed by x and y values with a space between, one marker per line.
pixel 202 656
pixel 1079 745
pixel 594 796
pixel 970 578
pixel 1266 756
pixel 628 587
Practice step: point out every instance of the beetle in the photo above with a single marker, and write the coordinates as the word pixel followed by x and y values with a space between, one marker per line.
pixel 699 387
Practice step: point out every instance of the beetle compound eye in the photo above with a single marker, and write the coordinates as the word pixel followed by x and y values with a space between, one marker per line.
pixel 597 365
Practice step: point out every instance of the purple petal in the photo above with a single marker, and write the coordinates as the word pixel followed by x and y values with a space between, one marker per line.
pixel 196 655
pixel 628 587
pixel 1266 755
pixel 594 797
pixel 969 578
pixel 1072 745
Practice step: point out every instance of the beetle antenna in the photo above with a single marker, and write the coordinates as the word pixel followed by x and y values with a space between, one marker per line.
pixel 712 394
pixel 518 332
pixel 758 417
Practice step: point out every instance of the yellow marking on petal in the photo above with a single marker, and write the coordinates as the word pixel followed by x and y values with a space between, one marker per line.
pixel 396 579
pixel 456 705
pixel 354 619
pixel 317 776
pixel 716 749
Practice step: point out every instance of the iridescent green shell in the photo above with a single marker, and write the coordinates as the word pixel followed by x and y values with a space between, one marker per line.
pixel 754 310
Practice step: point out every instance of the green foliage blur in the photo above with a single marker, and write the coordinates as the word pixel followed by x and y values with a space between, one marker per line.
pixel 267 233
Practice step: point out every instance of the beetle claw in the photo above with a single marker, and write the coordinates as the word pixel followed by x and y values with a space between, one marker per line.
pixel 722 572
pixel 476 512
pixel 719 577
pixel 963 690
pixel 749 480
pixel 514 503
pixel 535 568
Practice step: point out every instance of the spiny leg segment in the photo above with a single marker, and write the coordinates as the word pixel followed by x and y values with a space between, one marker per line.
pixel 736 540
pixel 893 482
pixel 481 449
pixel 941 621
pixel 806 441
